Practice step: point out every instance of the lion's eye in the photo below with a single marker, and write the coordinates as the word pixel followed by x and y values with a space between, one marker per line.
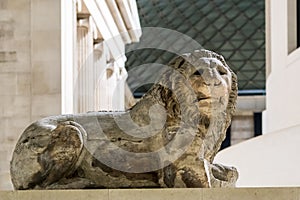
pixel 222 70
pixel 198 72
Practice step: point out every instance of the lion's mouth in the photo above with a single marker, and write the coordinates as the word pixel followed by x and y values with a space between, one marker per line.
pixel 210 101
pixel 204 102
pixel 203 98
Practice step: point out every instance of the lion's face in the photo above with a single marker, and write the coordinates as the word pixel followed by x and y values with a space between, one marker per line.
pixel 211 81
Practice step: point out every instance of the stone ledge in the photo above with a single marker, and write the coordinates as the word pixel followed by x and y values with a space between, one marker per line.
pixel 157 194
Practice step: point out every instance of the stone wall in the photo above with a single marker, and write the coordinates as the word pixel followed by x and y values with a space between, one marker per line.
pixel 29 70
pixel 242 127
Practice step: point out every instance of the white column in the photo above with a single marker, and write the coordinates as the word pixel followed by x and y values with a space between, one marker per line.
pixel 100 74
pixel 68 45
pixel 118 99
pixel 78 103
pixel 99 78
pixel 111 85
pixel 85 66
pixel 90 68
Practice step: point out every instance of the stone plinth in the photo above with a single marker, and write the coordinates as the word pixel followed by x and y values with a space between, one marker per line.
pixel 157 194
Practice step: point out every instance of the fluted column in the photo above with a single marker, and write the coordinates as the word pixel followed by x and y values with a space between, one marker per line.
pixel 99 75
pixel 84 72
pixel 119 93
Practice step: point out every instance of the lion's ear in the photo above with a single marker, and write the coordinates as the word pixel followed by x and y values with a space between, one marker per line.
pixel 177 62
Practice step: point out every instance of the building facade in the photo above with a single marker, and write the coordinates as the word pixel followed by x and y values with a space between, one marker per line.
pixel 58 57
pixel 272 159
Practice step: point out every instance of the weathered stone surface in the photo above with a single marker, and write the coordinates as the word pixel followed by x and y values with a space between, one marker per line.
pixel 168 139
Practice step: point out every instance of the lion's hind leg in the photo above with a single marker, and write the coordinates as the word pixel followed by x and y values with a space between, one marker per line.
pixel 46 152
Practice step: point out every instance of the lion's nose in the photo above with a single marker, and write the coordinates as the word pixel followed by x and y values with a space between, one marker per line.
pixel 210 75
pixel 214 63
pixel 211 79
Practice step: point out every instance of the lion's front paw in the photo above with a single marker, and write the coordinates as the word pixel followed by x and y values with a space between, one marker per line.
pixel 223 176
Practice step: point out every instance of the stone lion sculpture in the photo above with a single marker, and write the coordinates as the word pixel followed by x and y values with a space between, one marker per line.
pixel 168 139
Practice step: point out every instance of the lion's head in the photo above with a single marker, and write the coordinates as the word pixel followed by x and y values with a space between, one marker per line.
pixel 202 85
pixel 213 82
pixel 215 86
